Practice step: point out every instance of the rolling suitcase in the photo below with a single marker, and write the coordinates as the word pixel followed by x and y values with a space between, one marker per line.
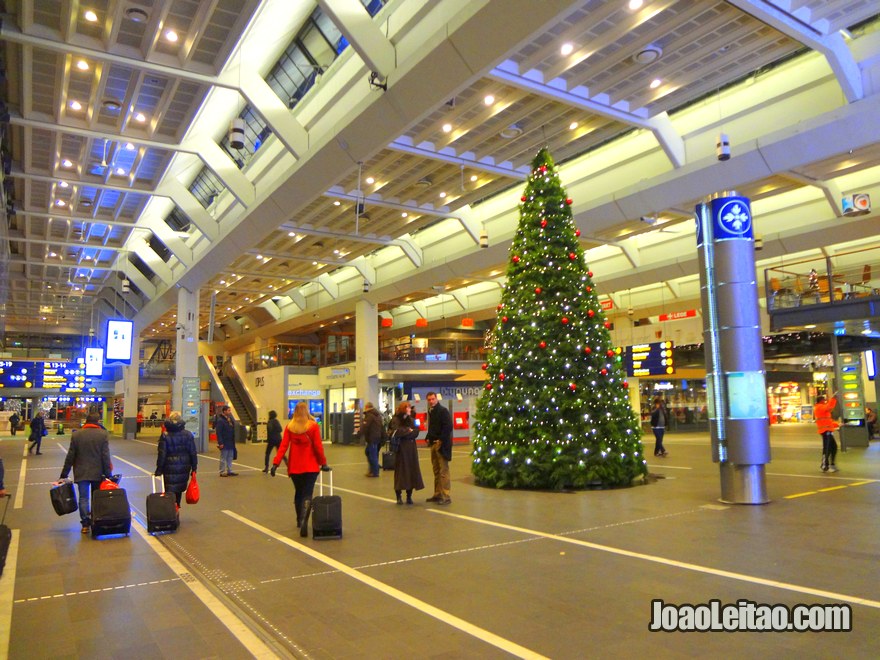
pixel 388 459
pixel 5 537
pixel 63 498
pixel 161 511
pixel 326 512
pixel 110 512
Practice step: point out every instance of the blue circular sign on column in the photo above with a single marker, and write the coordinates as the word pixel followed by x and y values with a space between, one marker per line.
pixel 731 218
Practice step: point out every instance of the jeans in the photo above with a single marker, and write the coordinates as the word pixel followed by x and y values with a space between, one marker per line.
pixel 85 489
pixel 659 431
pixel 372 452
pixel 226 460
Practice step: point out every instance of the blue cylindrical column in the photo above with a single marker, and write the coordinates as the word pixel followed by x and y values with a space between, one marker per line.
pixel 735 376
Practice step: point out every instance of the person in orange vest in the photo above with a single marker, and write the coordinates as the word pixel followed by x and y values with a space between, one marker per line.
pixel 825 423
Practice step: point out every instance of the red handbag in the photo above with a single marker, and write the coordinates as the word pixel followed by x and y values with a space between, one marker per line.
pixel 192 490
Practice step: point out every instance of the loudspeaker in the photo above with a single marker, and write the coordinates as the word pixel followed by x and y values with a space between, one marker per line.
pixel 236 133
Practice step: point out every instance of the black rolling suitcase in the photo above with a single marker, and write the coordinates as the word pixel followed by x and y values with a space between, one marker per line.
pixel 161 511
pixel 63 498
pixel 389 456
pixel 110 512
pixel 5 537
pixel 326 512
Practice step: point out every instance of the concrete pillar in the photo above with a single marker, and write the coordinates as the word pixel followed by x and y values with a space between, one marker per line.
pixel 130 379
pixel 735 375
pixel 186 356
pixel 367 351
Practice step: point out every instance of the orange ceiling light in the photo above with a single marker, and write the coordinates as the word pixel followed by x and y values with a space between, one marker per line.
pixel 421 323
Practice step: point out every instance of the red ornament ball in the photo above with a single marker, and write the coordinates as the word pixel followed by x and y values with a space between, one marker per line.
pixel 569 201
pixel 572 386
pixel 504 319
pixel 604 371
pixel 625 385
pixel 609 353
pixel 591 313
pixel 485 366
pixel 523 198
pixel 572 256
pixel 589 273
pixel 500 376
pixel 543 168
pixel 564 320
pixel 488 386
pixel 543 344
pixel 608 325
pixel 538 290
pixel 589 289
pixel 543 223
pixel 499 307
pixel 577 232
pixel 515 259
pixel 588 350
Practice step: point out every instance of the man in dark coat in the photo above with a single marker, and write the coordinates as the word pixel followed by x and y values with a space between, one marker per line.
pixel 224 427
pixel 89 456
pixel 439 439
pixel 373 431
pixel 38 430
pixel 14 421
pixel 177 455
pixel 273 437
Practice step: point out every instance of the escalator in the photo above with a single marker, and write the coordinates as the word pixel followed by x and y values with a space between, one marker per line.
pixel 243 407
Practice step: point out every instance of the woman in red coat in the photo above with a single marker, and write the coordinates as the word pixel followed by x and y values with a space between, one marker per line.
pixel 826 425
pixel 302 436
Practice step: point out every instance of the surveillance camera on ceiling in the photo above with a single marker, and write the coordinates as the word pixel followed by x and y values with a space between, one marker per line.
pixel 366 286
pixel 722 147
pixel 484 239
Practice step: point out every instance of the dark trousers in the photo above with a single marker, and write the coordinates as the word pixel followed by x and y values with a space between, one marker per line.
pixel 269 449
pixel 303 490
pixel 829 449
pixel 659 431
pixel 372 452
pixel 35 442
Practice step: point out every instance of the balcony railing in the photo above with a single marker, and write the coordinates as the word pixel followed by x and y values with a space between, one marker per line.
pixel 839 278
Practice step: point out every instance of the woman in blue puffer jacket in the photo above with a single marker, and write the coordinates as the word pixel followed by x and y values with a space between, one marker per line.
pixel 177 455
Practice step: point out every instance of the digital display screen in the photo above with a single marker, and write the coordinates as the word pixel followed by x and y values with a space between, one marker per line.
pixel 316 407
pixel 119 337
pixel 59 376
pixel 94 362
pixel 653 359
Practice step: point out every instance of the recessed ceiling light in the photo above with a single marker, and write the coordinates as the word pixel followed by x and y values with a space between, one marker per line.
pixel 810 326
pixel 655 83
pixel 259 256
pixel 447 128
pixel 474 177
pixel 336 203
pixel 140 117
pixel 488 99
pixel 111 105
pixel 66 163
pixel 636 4
pixel 512 131
pixel 64 184
pixel 292 234
pixel 648 54
pixel 59 202
pixel 443 194
pixel 90 16
pixel 75 105
pixel 82 65
pixel 370 180
pixel 404 214
pixel 120 171
pixel 171 36
pixel 573 125
pixel 136 14
pixel 567 49
pixel 129 146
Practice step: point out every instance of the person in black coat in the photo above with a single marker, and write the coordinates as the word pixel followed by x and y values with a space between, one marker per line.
pixel 89 456
pixel 439 439
pixel 177 455
pixel 14 421
pixel 273 436
pixel 659 422
pixel 373 432
pixel 407 474
pixel 38 430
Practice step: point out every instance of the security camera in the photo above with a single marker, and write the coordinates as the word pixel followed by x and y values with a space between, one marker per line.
pixel 126 286
pixel 630 312
pixel 722 147
pixel 366 286
pixel 378 81
pixel 484 239
pixel 91 332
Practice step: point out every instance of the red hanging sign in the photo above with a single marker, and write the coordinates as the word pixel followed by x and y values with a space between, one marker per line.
pixel 675 316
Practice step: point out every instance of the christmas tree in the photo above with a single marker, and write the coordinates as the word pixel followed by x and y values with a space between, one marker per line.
pixel 555 411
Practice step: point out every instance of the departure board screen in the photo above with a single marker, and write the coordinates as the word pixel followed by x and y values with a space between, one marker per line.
pixel 655 359
pixel 59 376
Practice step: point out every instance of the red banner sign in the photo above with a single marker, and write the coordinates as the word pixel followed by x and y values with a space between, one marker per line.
pixel 676 316
pixel 607 304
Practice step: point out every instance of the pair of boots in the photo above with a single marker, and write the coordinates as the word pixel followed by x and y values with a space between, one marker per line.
pixel 302 517
pixel 409 499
